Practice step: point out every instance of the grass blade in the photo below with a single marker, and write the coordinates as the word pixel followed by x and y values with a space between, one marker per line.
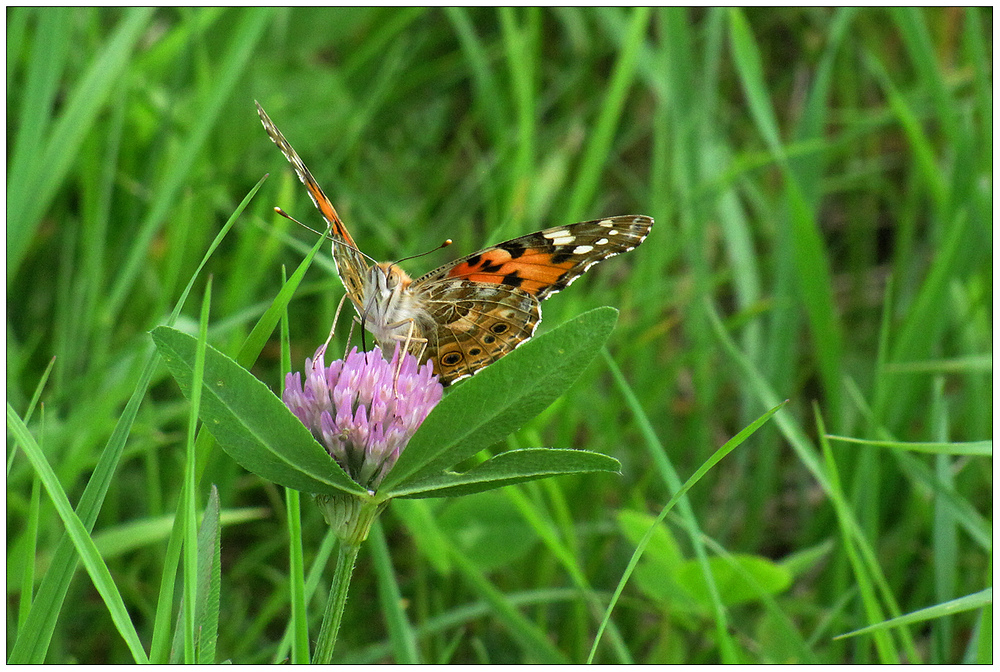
pixel 886 647
pixel 188 503
pixel 246 34
pixel 981 448
pixel 44 70
pixel 31 408
pixel 984 598
pixel 299 624
pixel 598 147
pixel 33 641
pixel 297 590
pixel 401 635
pixel 80 535
pixel 812 264
pixel 532 639
pixel 559 546
pixel 27 201
pixel 716 457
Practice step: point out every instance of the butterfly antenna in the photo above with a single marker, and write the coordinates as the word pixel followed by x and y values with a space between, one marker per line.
pixel 443 245
pixel 325 234
pixel 287 216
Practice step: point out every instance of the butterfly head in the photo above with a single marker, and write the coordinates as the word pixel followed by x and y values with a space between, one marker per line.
pixel 385 282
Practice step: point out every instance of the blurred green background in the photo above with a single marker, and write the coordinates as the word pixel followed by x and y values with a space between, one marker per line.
pixel 821 181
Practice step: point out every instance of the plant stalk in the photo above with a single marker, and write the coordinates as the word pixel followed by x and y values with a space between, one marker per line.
pixel 346 556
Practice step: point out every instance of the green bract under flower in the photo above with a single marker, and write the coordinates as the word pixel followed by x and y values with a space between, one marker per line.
pixel 363 409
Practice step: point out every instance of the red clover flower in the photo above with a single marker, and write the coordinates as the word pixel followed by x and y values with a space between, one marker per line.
pixel 361 410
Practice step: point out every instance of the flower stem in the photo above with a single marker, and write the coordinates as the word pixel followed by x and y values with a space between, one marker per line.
pixel 346 556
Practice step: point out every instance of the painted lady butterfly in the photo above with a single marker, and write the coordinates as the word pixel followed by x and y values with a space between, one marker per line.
pixel 472 311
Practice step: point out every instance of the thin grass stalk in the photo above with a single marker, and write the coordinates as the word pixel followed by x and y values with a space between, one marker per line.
pixel 401 633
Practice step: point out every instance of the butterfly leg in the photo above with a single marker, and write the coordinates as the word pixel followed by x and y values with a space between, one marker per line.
pixel 350 335
pixel 410 336
pixel 407 340
pixel 333 327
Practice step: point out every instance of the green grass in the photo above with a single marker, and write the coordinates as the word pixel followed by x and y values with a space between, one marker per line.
pixel 821 182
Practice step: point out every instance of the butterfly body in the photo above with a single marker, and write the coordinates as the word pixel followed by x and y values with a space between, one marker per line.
pixel 472 311
pixel 389 308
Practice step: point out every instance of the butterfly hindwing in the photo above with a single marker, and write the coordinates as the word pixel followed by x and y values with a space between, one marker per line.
pixel 475 324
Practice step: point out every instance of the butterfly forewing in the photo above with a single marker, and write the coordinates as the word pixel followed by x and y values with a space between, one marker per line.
pixel 486 304
pixel 548 261
pixel 351 264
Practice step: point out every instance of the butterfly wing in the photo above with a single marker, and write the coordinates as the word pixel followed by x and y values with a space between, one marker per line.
pixel 351 264
pixel 486 304
pixel 548 261
pixel 475 324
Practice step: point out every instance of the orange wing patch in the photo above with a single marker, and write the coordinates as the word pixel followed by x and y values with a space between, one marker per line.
pixel 531 271
pixel 326 208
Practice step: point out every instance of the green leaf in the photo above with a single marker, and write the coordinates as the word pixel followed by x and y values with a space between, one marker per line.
pixel 487 529
pixel 251 423
pixel 739 577
pixel 501 398
pixel 662 549
pixel 664 575
pixel 513 466
pixel 209 579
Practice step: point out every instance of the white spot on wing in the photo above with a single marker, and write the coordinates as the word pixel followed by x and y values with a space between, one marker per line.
pixel 582 249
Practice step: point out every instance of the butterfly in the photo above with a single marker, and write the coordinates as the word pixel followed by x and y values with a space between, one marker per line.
pixel 472 311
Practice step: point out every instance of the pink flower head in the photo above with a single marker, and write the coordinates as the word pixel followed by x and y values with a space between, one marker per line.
pixel 360 410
